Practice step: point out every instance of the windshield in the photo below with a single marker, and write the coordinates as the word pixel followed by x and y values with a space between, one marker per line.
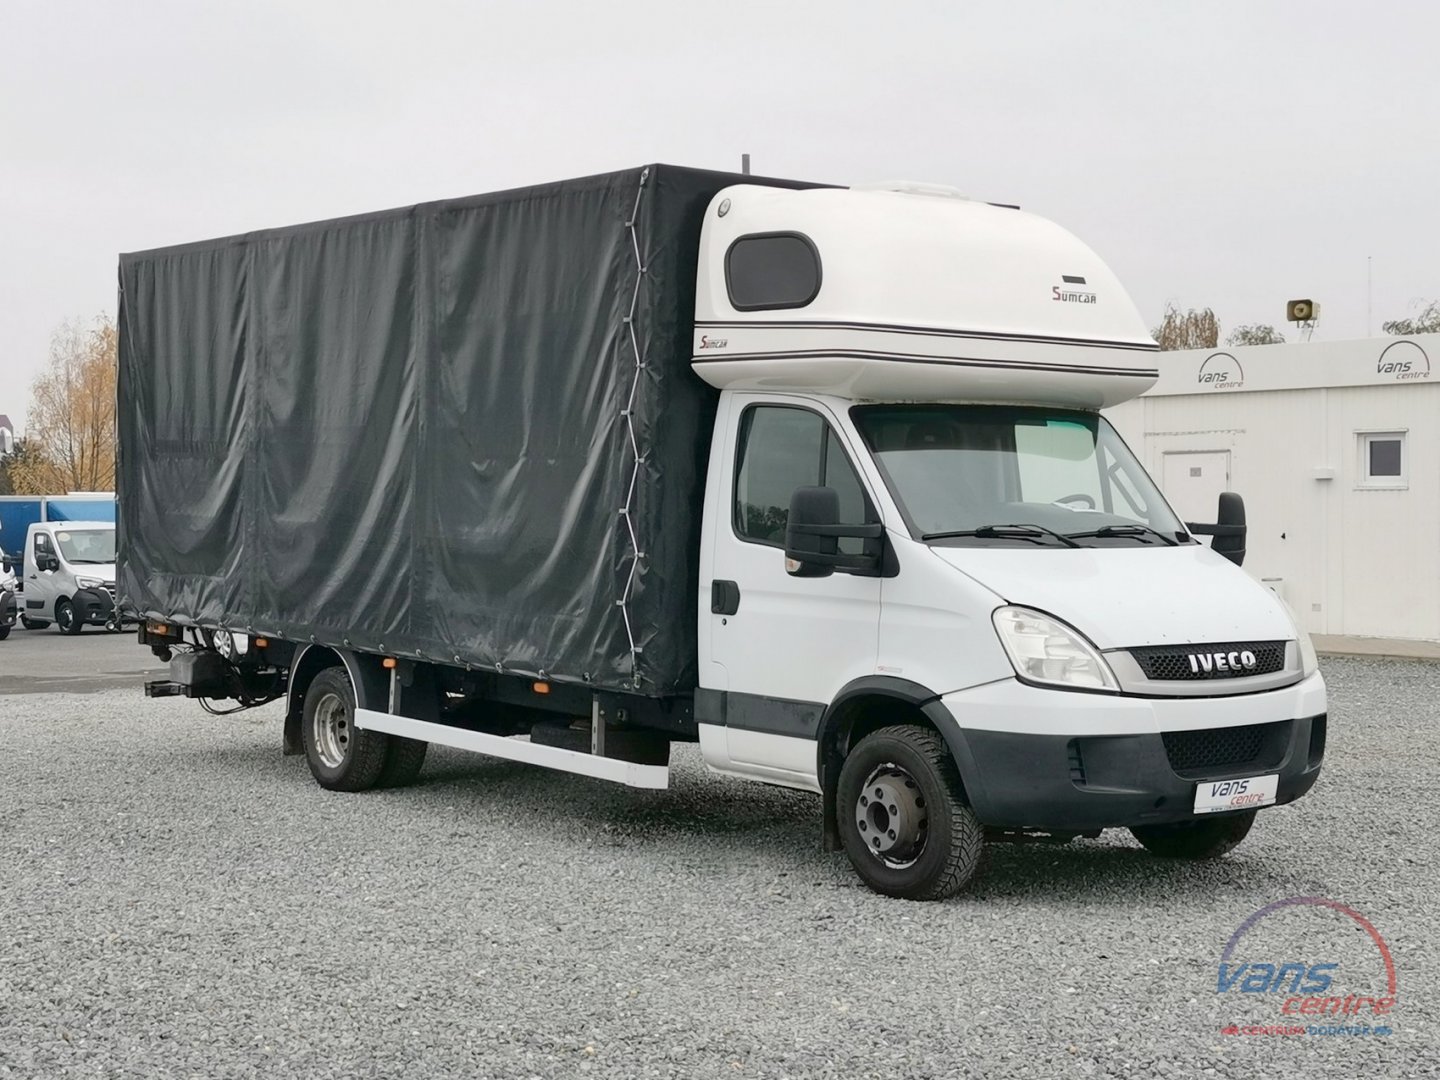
pixel 974 468
pixel 81 546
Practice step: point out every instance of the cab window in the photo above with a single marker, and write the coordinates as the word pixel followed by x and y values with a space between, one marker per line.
pixel 783 448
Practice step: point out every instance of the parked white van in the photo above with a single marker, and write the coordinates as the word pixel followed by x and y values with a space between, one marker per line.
pixel 70 576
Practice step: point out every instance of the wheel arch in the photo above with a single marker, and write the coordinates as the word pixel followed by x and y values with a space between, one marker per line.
pixel 367 677
pixel 868 704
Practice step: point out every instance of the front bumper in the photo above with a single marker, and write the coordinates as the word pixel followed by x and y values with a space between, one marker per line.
pixel 1062 761
pixel 94 607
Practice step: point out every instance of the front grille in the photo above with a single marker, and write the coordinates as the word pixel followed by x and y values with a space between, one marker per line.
pixel 1173 663
pixel 1260 746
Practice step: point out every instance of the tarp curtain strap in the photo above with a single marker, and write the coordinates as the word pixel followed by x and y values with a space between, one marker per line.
pixel 633 225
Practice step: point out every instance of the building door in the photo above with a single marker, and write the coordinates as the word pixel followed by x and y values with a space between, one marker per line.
pixel 1193 480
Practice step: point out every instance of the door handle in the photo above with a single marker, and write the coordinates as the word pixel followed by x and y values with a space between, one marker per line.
pixel 724 597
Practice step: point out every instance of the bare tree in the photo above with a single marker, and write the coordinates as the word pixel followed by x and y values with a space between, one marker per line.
pixel 70 433
pixel 1187 329
pixel 1255 334
pixel 22 461
pixel 1427 322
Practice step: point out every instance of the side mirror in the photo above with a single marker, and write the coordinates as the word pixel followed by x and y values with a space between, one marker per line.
pixel 813 534
pixel 1228 530
pixel 46 561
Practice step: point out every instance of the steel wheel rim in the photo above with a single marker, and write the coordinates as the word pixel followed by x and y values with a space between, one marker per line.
pixel 891 816
pixel 64 616
pixel 332 731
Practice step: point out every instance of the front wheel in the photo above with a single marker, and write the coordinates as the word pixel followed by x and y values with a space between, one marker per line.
pixel 341 756
pixel 1208 838
pixel 903 816
pixel 4 632
pixel 66 618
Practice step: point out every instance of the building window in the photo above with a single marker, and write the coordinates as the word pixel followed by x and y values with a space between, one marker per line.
pixel 1382 459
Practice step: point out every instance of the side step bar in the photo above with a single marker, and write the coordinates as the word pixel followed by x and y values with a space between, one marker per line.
pixel 656 777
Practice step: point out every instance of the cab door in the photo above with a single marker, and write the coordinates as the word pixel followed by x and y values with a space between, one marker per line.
pixel 785 644
pixel 40 585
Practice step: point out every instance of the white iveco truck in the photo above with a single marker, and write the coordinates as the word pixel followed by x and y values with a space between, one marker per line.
pixel 929 581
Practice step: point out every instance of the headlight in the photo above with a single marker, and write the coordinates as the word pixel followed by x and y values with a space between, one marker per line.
pixel 89 582
pixel 1045 650
pixel 1309 662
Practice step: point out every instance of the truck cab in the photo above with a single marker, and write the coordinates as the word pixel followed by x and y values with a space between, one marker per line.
pixel 69 575
pixel 918 523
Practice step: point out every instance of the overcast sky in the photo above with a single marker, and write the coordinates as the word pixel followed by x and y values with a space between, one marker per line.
pixel 1234 154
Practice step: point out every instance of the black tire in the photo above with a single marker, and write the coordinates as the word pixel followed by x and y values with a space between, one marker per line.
pixel 1207 838
pixel 33 624
pixel 945 840
pixel 341 756
pixel 66 621
pixel 4 632
pixel 403 760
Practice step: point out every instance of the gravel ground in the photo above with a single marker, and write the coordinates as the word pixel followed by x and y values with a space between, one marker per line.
pixel 177 899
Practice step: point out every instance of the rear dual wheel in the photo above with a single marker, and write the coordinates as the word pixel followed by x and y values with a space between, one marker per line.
pixel 903 816
pixel 343 757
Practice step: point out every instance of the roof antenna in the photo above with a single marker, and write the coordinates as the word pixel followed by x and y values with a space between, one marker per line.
pixel 745 164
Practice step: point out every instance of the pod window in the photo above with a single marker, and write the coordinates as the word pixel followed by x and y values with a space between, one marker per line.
pixel 768 271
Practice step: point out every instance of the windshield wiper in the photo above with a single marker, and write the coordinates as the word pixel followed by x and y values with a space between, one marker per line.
pixel 1136 531
pixel 1036 533
pixel 92 562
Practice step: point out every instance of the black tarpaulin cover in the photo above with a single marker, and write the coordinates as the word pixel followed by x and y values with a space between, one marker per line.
pixel 407 431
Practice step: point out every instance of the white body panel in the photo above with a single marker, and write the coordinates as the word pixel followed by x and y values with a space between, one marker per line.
pixel 935 627
pixel 1125 597
pixel 783 760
